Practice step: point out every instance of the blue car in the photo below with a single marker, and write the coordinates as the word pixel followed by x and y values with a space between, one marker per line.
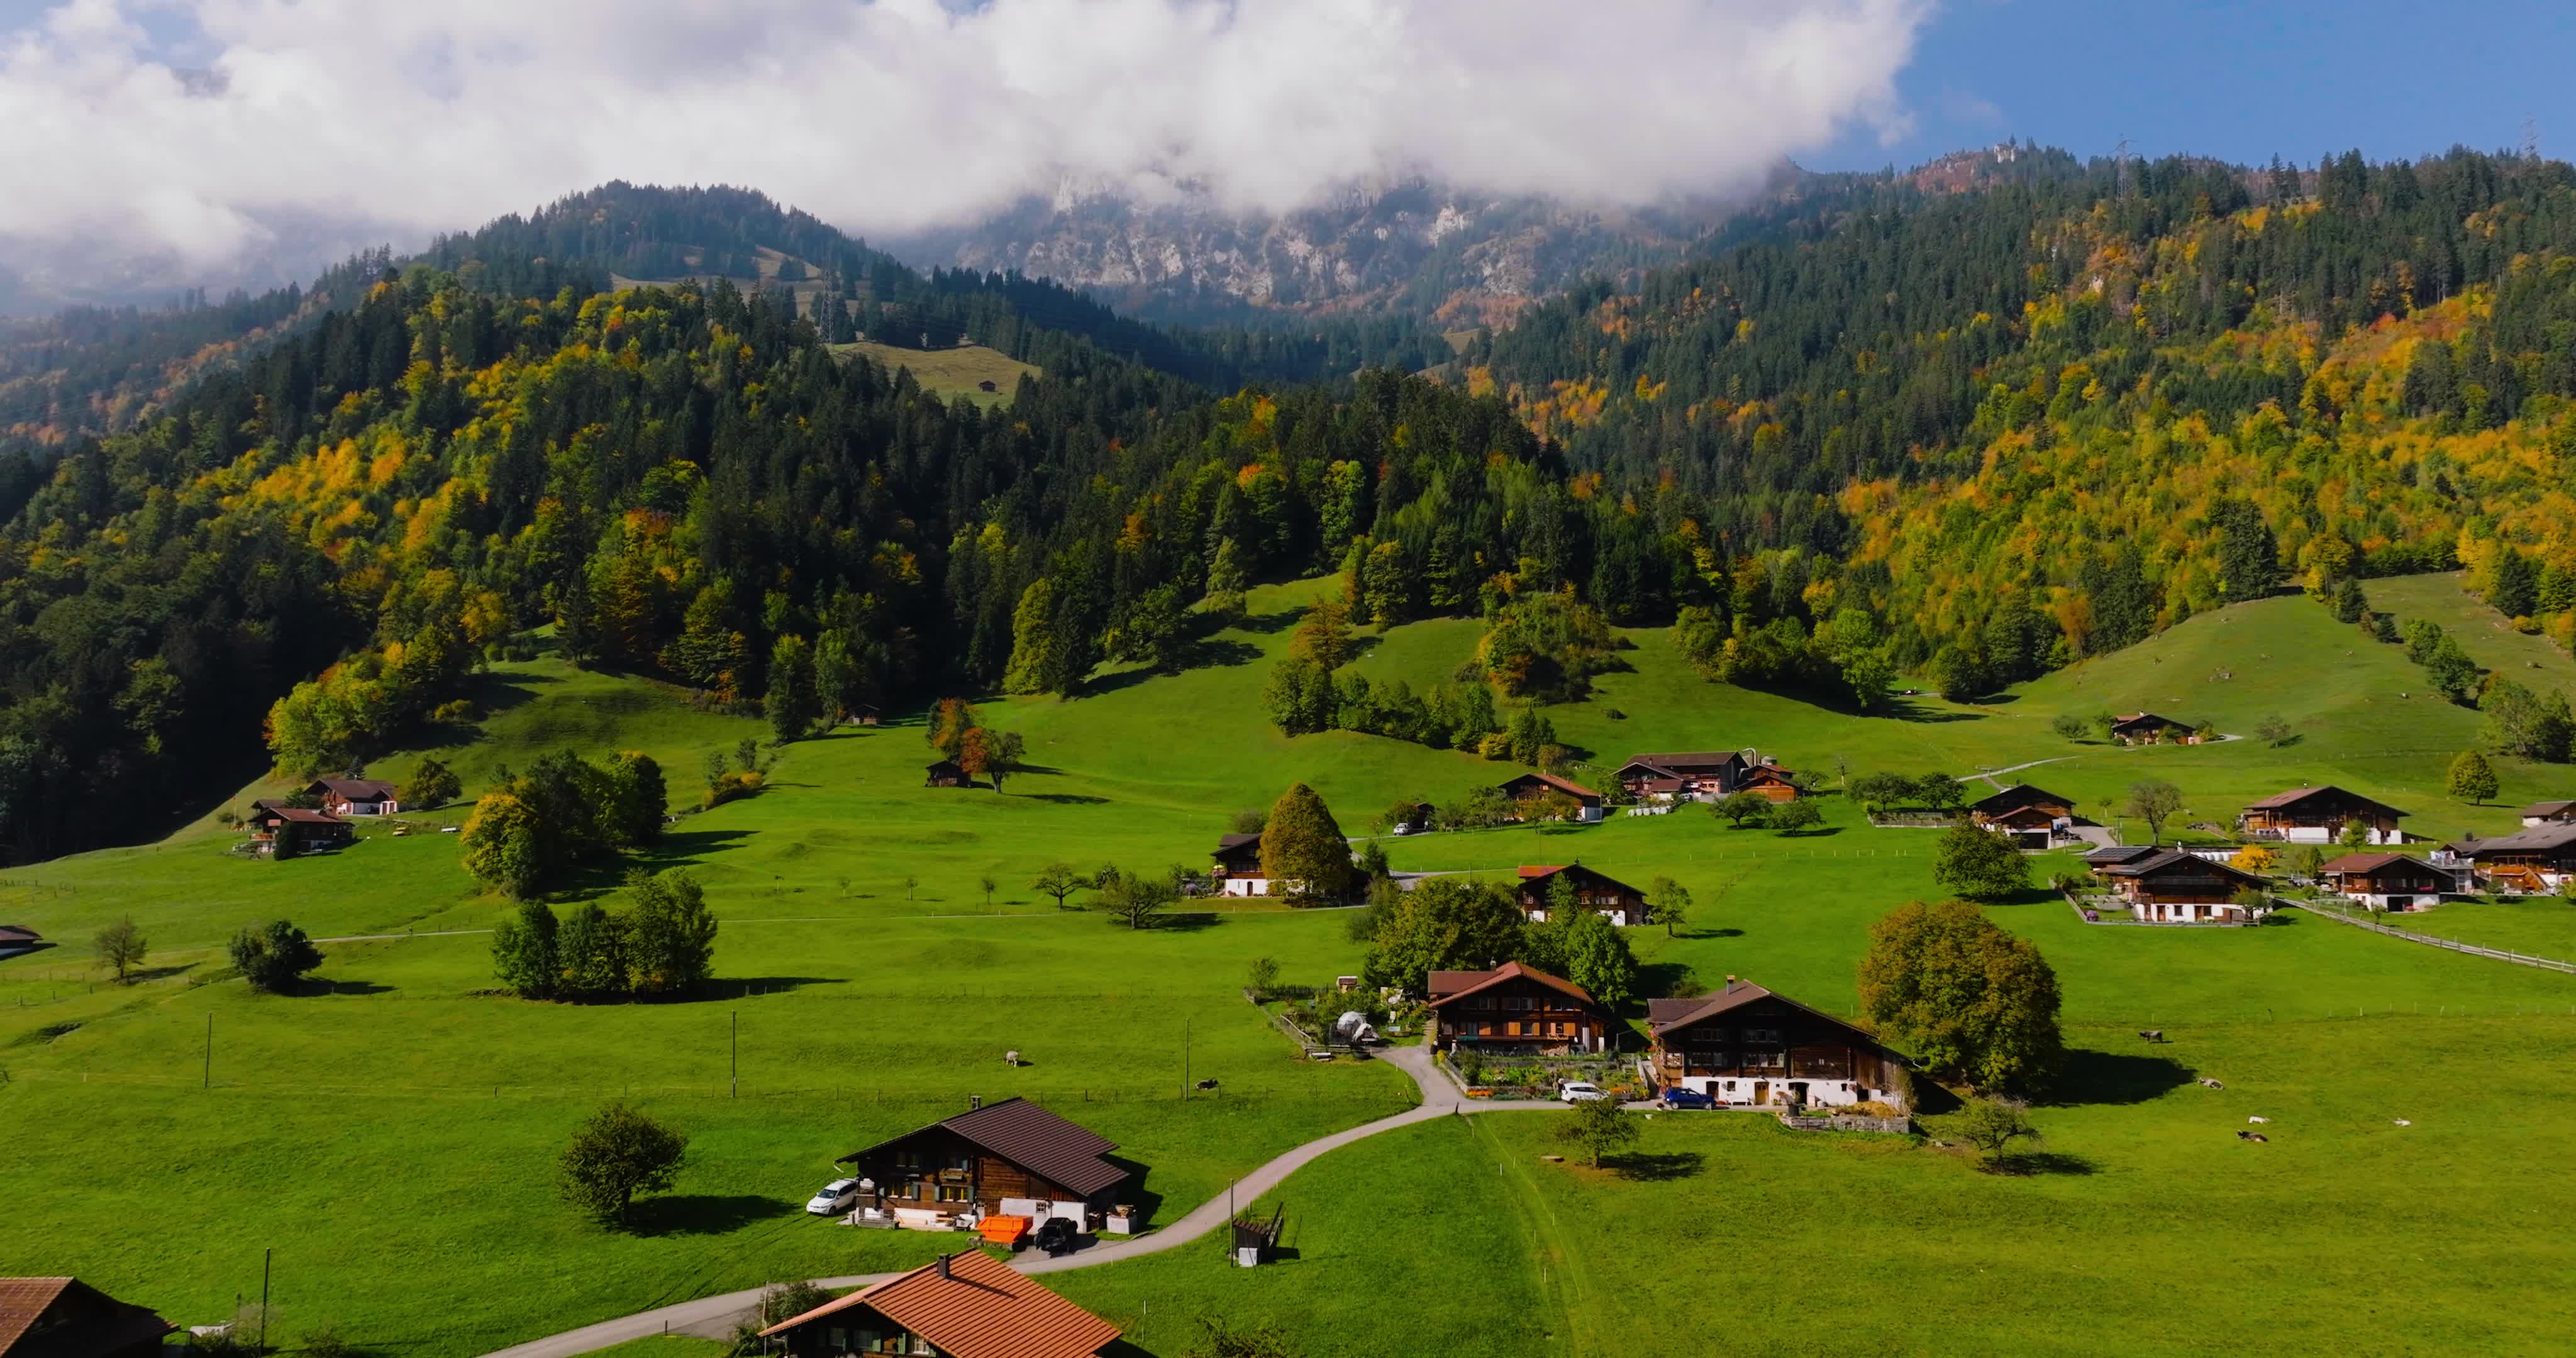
pixel 1678 1097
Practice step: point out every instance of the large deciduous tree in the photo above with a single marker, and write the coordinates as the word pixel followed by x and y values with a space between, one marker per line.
pixel 1303 844
pixel 1979 864
pixel 616 1154
pixel 1962 996
pixel 1443 924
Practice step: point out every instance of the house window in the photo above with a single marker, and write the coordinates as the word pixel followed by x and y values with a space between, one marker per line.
pixel 1764 1060
pixel 956 1193
pixel 840 1339
pixel 1481 1002
pixel 960 1161
pixel 1769 1036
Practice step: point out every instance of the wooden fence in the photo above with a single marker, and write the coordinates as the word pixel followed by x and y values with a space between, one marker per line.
pixel 2499 954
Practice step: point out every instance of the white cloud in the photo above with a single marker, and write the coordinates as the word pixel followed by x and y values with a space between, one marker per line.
pixel 428 115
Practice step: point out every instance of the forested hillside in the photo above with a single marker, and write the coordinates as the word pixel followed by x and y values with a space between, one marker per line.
pixel 2115 393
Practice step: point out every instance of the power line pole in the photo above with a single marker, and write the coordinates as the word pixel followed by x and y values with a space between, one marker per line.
pixel 267 1258
pixel 1185 1058
pixel 210 1053
pixel 737 1053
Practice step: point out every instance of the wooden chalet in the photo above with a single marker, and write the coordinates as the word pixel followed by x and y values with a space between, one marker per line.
pixel 68 1318
pixel 355 796
pixel 965 1305
pixel 1598 892
pixel 1415 818
pixel 1747 1046
pixel 1011 1158
pixel 948 773
pixel 18 938
pixel 2168 886
pixel 1645 782
pixel 1516 1010
pixel 1768 781
pixel 865 714
pixel 2549 813
pixel 2386 881
pixel 2545 853
pixel 1528 788
pixel 2032 816
pixel 2318 815
pixel 1236 866
pixel 2147 728
pixel 317 829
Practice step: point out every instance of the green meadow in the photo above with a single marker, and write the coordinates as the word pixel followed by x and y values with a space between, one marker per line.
pixel 391 1134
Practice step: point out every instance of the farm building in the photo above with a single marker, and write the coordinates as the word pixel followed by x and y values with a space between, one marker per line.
pixel 1010 1158
pixel 964 1305
pixel 2147 728
pixel 2549 813
pixel 1770 782
pixel 1744 1045
pixel 2386 881
pixel 355 796
pixel 1698 775
pixel 319 829
pixel 1236 866
pixel 2034 817
pixel 2318 815
pixel 1530 788
pixel 1517 1010
pixel 865 714
pixel 947 773
pixel 1597 891
pixel 2545 853
pixel 68 1318
pixel 2168 886
pixel 1409 818
pixel 18 938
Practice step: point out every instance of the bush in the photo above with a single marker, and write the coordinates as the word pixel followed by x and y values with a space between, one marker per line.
pixel 733 785
pixel 273 957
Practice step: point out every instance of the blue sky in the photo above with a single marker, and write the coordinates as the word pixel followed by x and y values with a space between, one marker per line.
pixel 2240 82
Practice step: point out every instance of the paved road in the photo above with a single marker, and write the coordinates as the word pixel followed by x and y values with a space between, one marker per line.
pixel 715 1317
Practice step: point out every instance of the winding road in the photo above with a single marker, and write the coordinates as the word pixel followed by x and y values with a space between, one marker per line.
pixel 716 1316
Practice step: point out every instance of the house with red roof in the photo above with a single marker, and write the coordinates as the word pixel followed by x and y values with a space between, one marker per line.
pixel 1518 1010
pixel 1598 892
pixel 968 1305
pixel 68 1318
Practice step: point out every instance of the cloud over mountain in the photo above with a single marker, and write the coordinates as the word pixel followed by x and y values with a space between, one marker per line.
pixel 197 126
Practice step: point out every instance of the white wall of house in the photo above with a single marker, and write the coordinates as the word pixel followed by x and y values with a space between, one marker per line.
pixel 1590 813
pixel 2395 900
pixel 1247 886
pixel 2198 912
pixel 1737 1090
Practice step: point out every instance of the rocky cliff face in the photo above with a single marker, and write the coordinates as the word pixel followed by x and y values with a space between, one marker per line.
pixel 1415 246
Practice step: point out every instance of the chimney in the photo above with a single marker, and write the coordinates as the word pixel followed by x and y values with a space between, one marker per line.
pixel 973 1102
pixel 1730 978
pixel 943 1267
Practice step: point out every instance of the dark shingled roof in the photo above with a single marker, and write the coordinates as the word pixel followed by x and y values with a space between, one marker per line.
pixel 2159 860
pixel 2367 863
pixel 86 1320
pixel 2547 808
pixel 1034 1139
pixel 1665 1015
pixel 972 1305
pixel 2119 853
pixel 356 789
pixel 2281 800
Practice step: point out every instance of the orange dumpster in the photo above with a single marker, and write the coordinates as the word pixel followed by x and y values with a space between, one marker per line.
pixel 1004 1231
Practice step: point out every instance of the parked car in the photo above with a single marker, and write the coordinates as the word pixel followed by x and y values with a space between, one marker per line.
pixel 1056 1236
pixel 837 1197
pixel 1678 1097
pixel 1580 1091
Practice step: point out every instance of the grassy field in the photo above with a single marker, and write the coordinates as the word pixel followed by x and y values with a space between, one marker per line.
pixel 952 373
pixel 876 981
pixel 2145 1227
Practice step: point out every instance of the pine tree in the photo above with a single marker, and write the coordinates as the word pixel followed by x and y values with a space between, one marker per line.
pixel 1033 640
pixel 791 705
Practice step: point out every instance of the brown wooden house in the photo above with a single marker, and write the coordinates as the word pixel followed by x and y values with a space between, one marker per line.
pixel 1235 867
pixel 2168 886
pixel 1745 1045
pixel 1011 1158
pixel 865 714
pixel 355 796
pixel 948 773
pixel 966 1305
pixel 2549 813
pixel 2318 815
pixel 2147 728
pixel 1529 788
pixel 68 1318
pixel 1518 1010
pixel 1768 781
pixel 2545 853
pixel 1596 891
pixel 316 829
pixel 2386 881
pixel 2031 816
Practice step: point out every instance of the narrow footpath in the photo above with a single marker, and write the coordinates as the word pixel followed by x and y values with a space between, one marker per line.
pixel 715 1317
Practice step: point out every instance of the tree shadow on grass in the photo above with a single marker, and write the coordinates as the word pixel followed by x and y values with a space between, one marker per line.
pixel 2117 1078
pixel 675 849
pixel 1065 798
pixel 746 987
pixel 1668 980
pixel 325 985
pixel 1186 921
pixel 1268 623
pixel 1137 1192
pixel 2023 1164
pixel 1658 1167
pixel 704 1213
